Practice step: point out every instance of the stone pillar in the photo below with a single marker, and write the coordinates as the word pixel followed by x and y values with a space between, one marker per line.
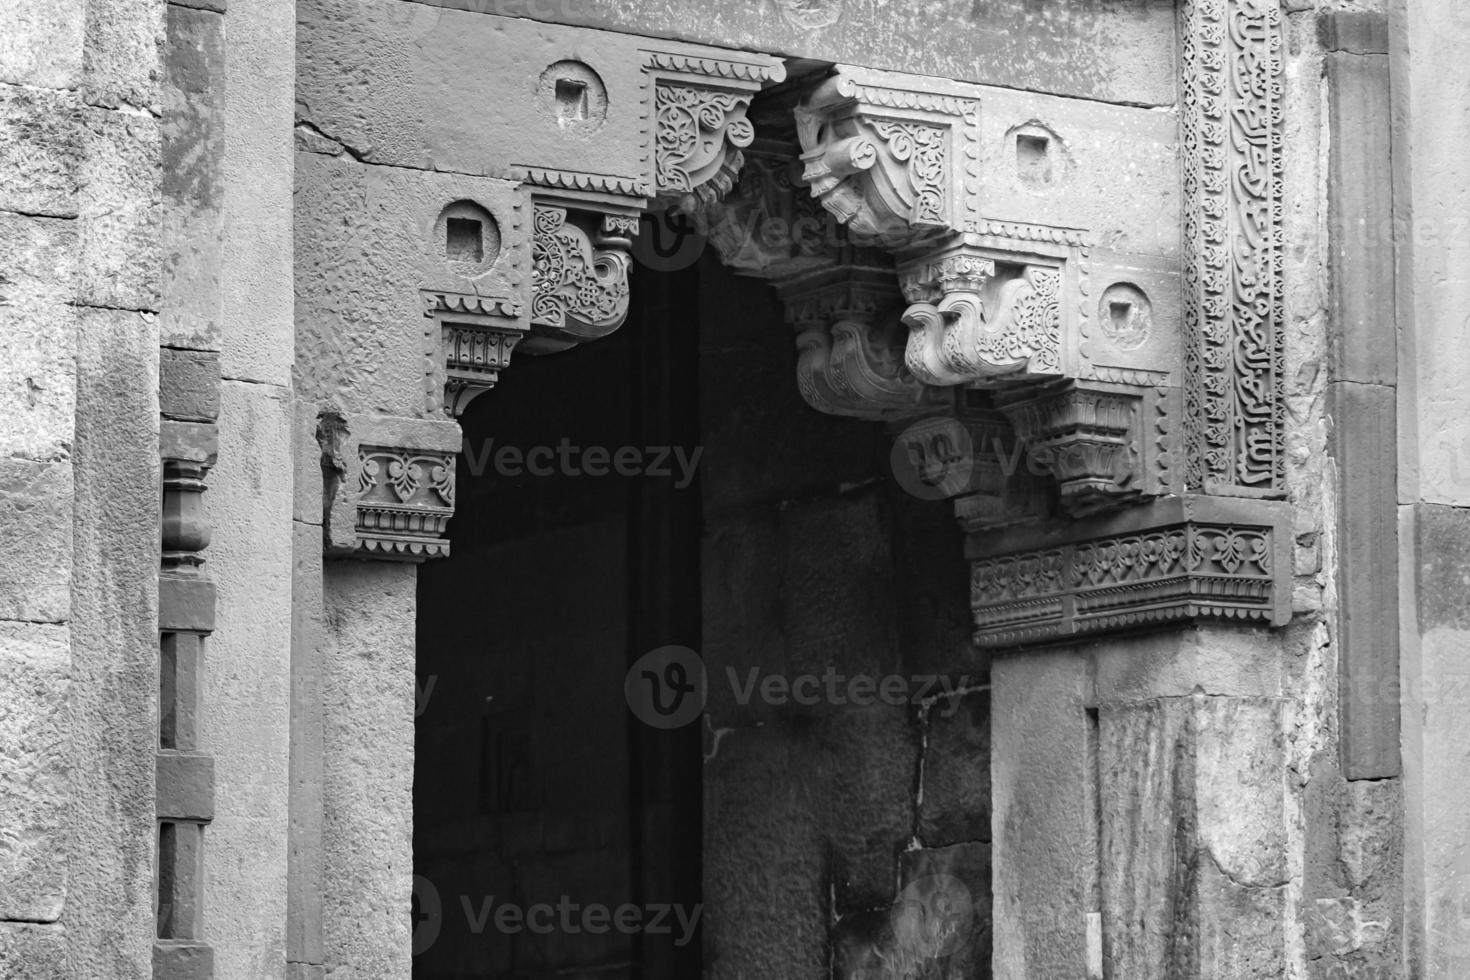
pixel 79 479
pixel 1431 83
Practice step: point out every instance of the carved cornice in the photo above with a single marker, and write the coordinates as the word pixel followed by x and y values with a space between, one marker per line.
pixel 389 485
pixel 1179 561
pixel 568 180
pixel 1234 317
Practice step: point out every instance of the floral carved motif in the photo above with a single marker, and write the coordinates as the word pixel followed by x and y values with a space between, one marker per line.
pixel 1234 314
pixel 389 485
pixel 1185 571
pixel 697 147
pixel 579 290
pixel 968 324
pixel 405 500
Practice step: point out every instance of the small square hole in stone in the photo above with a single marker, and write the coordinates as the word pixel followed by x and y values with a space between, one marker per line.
pixel 1121 314
pixel 571 100
pixel 1033 157
pixel 464 240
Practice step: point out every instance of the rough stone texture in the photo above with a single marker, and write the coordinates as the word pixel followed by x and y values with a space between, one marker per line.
pixel 188 385
pixel 367 750
pixel 40 147
pixel 1194 837
pixel 33 952
pixel 1122 53
pixel 258 180
pixel 37 375
pixel 123 45
pixel 193 134
pixel 1044 825
pixel 119 210
pixel 954 793
pixel 36 547
pixel 41 42
pixel 366 249
pixel 35 669
pixel 113 721
pixel 246 716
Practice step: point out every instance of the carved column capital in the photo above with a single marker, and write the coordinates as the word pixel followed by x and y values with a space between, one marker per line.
pixel 579 278
pixel 389 485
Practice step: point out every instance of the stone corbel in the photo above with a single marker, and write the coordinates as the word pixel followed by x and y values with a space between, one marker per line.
pixel 850 342
pixel 888 160
pixel 1094 438
pixel 389 485
pixel 700 124
pixel 978 316
pixel 579 276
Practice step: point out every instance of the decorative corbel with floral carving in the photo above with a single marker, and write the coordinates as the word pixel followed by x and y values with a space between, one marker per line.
pixel 699 108
pixel 389 485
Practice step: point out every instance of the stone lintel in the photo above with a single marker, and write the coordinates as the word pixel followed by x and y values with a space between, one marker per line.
pixel 1179 559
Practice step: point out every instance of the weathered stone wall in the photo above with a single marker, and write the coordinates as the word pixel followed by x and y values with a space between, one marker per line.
pixel 79 215
pixel 818 816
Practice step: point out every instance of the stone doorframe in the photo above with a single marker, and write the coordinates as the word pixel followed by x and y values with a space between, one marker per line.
pixel 1159 495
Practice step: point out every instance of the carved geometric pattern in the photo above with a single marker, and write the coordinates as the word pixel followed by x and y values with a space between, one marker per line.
pixel 1234 315
pixel 1186 571
pixel 576 289
pixel 404 501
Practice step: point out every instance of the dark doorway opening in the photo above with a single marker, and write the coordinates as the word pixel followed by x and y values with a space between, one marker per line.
pixel 545 814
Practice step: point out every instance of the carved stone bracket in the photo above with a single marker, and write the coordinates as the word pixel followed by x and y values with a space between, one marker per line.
pixel 1181 559
pixel 849 340
pixel 579 278
pixel 700 124
pixel 476 336
pixel 976 317
pixel 890 158
pixel 1102 442
pixel 389 485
